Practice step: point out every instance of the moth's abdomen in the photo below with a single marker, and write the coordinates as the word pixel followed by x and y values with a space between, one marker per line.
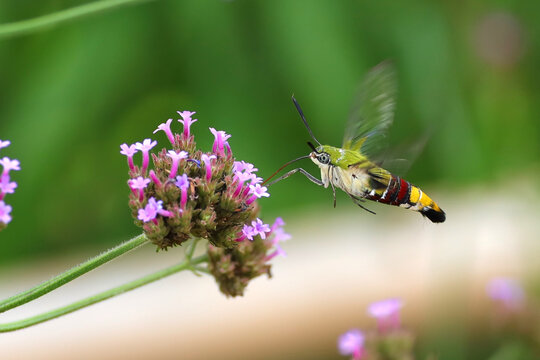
pixel 399 192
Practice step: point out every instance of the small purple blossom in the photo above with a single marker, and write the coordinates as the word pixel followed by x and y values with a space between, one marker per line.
pixel 151 210
pixel 129 151
pixel 507 291
pixel 240 178
pixel 5 211
pixel 6 186
pixel 260 228
pixel 166 127
pixel 145 147
pixel 187 121
pixel 176 157
pixel 387 313
pixel 255 179
pixel 246 233
pixel 183 183
pixel 258 191
pixel 4 144
pixel 219 142
pixel 207 160
pixel 9 165
pixel 139 183
pixel 352 343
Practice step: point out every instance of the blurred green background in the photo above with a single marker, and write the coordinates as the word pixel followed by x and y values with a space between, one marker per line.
pixel 70 95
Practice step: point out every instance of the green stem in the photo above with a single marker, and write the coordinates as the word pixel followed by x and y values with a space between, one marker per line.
pixel 71 274
pixel 102 296
pixel 41 22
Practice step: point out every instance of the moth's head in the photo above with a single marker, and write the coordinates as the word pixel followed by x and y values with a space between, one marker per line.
pixel 320 155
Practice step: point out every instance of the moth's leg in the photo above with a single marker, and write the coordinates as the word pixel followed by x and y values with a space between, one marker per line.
pixel 308 175
pixel 357 202
pixel 332 183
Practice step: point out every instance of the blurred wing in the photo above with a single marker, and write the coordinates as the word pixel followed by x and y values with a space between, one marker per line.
pixel 373 111
pixel 398 159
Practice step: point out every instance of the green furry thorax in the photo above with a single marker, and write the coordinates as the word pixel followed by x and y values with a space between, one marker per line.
pixel 342 157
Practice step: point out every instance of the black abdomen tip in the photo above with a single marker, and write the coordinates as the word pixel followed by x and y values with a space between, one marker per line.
pixel 433 215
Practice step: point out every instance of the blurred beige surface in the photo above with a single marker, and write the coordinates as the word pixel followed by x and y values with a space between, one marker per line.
pixel 338 261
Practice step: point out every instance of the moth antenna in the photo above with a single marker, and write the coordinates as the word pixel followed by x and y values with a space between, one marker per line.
pixel 313 147
pixel 284 165
pixel 304 120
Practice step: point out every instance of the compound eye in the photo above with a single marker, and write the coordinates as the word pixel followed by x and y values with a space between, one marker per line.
pixel 324 158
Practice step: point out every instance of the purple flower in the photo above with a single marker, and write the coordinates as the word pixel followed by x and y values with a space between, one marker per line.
pixel 5 211
pixel 183 183
pixel 258 191
pixel 207 159
pixel 9 165
pixel 6 186
pixel 166 127
pixel 241 178
pixel 151 210
pixel 145 147
pixel 352 343
pixel 4 144
pixel 187 121
pixel 176 157
pixel 507 291
pixel 387 313
pixel 255 179
pixel 247 233
pixel 129 151
pixel 260 228
pixel 139 183
pixel 219 142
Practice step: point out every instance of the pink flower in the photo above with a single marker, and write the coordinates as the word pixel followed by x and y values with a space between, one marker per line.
pixel 9 165
pixel 207 160
pixel 4 144
pixel 139 183
pixel 145 147
pixel 166 127
pixel 151 210
pixel 258 191
pixel 176 157
pixel 129 151
pixel 5 211
pixel 352 343
pixel 387 313
pixel 6 186
pixel 240 177
pixel 187 121
pixel 183 183
pixel 219 141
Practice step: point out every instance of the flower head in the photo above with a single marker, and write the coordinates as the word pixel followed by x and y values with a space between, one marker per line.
pixel 129 151
pixel 186 121
pixel 387 313
pixel 166 128
pixel 5 211
pixel 507 291
pixel 260 228
pixel 145 147
pixel 352 343
pixel 150 211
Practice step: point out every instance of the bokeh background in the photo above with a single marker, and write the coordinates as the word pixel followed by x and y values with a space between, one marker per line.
pixel 468 76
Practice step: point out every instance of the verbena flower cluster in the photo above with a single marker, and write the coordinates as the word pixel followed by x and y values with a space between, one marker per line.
pixel 6 185
pixel 389 341
pixel 193 193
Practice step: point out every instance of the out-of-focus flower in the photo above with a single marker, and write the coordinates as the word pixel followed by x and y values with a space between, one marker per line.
pixel 351 343
pixel 387 313
pixel 5 211
pixel 6 185
pixel 507 291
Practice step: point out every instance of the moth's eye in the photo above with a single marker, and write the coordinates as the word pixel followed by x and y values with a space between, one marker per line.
pixel 323 158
